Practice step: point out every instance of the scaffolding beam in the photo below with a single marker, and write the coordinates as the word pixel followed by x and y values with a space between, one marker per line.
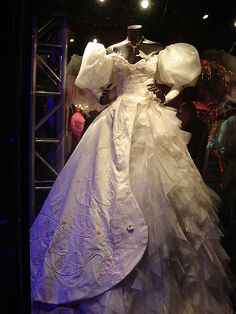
pixel 47 116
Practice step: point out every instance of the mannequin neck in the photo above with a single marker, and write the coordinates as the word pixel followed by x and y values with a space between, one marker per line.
pixel 134 34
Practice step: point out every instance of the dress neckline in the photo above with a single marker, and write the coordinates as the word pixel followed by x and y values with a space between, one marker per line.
pixel 141 54
pixel 126 61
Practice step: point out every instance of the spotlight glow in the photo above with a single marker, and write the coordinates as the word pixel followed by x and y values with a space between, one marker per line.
pixel 72 40
pixel 95 40
pixel 144 4
pixel 205 16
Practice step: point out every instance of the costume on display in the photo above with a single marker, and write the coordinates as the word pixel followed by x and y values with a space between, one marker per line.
pixel 225 142
pixel 129 225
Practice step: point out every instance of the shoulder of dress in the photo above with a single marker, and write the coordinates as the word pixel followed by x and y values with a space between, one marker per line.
pixel 149 56
pixel 93 46
pixel 112 48
pixel 151 42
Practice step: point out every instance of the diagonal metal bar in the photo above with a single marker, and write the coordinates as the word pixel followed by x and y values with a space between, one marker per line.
pixel 45 28
pixel 45 118
pixel 51 74
pixel 46 163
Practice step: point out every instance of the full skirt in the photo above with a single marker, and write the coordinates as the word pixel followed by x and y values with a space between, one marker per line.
pixel 183 270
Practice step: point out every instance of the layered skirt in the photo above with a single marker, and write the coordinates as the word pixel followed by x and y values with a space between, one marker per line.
pixel 183 270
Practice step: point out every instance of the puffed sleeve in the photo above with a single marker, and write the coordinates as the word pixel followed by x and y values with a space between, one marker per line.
pixel 96 68
pixel 178 65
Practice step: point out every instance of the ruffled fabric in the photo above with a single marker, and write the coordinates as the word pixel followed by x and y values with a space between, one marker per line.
pixel 184 263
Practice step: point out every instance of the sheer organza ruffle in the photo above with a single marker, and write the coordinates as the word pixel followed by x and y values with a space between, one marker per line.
pixel 184 262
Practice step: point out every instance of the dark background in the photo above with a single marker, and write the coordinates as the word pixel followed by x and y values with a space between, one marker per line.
pixel 165 22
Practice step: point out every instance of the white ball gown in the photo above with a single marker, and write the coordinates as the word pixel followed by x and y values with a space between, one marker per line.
pixel 129 226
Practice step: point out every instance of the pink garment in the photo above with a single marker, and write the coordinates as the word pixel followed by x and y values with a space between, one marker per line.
pixel 77 124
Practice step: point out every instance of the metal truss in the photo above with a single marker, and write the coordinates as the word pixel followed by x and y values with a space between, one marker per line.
pixel 48 81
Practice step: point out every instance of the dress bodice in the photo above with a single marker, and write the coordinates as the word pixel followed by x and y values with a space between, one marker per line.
pixel 178 65
pixel 133 78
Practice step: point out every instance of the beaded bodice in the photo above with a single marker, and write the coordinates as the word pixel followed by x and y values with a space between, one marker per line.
pixel 133 78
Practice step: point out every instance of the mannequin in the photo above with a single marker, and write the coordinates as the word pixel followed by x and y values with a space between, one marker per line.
pixel 130 49
pixel 135 41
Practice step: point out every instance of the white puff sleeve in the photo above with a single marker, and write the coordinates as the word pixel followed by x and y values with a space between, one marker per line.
pixel 96 68
pixel 178 65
